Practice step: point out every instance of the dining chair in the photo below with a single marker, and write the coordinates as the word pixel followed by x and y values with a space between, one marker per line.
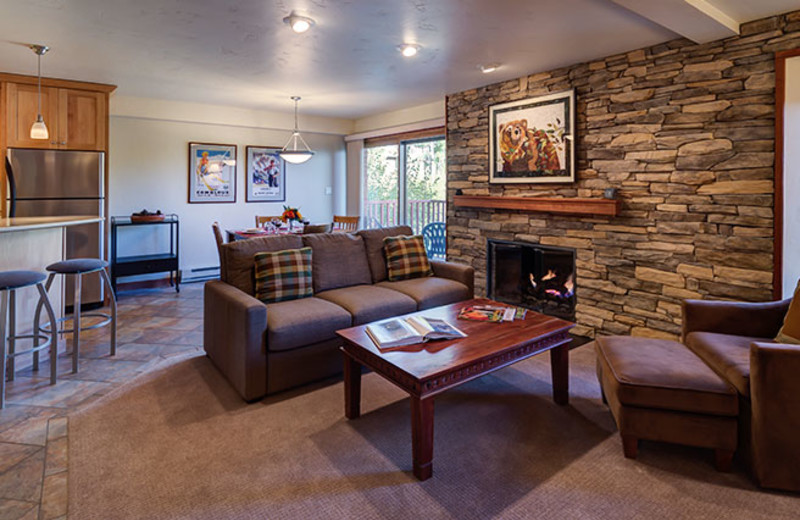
pixel 220 240
pixel 261 220
pixel 316 228
pixel 343 223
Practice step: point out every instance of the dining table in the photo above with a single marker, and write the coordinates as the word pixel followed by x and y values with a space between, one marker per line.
pixel 244 234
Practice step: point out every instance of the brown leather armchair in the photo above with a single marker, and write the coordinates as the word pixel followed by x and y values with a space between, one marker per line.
pixel 736 340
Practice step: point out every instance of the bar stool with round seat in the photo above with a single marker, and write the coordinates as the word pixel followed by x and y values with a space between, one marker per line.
pixel 77 268
pixel 10 282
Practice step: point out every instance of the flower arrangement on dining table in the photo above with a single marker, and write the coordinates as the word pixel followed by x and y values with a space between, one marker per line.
pixel 291 215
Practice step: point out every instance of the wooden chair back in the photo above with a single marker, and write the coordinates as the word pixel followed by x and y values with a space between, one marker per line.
pixel 317 228
pixel 220 241
pixel 343 223
pixel 261 220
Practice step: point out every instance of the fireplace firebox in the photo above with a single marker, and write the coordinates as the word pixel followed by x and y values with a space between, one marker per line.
pixel 540 278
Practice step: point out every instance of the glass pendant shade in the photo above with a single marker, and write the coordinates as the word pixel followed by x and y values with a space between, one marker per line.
pixel 39 129
pixel 296 150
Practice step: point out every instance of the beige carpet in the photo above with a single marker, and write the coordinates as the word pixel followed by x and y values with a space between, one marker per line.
pixel 179 443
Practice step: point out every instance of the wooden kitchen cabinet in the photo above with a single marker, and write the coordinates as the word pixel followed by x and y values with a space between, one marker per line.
pixel 76 119
pixel 81 120
pixel 21 111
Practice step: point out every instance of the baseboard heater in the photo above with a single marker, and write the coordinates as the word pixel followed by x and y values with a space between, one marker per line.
pixel 199 274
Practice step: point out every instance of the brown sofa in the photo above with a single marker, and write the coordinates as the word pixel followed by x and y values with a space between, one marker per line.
pixel 735 340
pixel 262 349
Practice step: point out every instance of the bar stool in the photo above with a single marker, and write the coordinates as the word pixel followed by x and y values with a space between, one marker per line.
pixel 10 282
pixel 77 267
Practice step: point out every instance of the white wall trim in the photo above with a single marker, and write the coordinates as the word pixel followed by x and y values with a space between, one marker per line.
pixel 198 113
pixel 411 127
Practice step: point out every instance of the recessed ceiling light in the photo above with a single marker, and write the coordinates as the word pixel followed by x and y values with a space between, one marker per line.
pixel 299 24
pixel 409 49
pixel 486 69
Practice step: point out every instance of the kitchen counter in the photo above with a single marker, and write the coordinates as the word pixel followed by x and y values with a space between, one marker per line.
pixel 29 223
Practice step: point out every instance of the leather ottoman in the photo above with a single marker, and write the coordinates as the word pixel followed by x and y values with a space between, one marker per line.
pixel 659 390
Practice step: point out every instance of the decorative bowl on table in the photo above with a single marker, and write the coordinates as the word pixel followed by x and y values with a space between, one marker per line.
pixel 147 216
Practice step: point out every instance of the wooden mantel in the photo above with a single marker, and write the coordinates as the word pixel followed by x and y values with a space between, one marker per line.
pixel 565 206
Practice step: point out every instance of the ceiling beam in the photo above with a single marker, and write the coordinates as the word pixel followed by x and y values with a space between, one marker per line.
pixel 696 20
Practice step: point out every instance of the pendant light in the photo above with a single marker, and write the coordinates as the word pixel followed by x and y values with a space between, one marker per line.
pixel 294 154
pixel 39 129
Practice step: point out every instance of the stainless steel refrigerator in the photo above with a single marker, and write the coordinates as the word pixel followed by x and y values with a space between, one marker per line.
pixel 48 183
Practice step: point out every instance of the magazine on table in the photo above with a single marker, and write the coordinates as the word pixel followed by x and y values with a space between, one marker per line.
pixel 399 332
pixel 492 313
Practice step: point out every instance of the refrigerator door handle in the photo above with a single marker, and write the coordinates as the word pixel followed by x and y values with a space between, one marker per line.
pixel 12 190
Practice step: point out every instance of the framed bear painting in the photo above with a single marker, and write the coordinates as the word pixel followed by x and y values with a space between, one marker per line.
pixel 531 140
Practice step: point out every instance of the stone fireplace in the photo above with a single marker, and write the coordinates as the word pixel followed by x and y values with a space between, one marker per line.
pixel 685 135
pixel 538 277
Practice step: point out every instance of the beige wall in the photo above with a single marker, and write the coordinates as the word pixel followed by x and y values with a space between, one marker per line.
pixel 416 114
pixel 791 178
pixel 148 169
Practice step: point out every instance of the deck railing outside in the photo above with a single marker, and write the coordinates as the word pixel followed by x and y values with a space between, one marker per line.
pixel 419 213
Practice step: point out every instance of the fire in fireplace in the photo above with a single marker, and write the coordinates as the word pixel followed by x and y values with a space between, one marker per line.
pixel 540 278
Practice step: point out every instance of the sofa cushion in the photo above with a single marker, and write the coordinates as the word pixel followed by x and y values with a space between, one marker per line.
pixel 406 258
pixel 339 260
pixel 368 303
pixel 657 373
pixel 373 241
pixel 283 275
pixel 727 354
pixel 430 291
pixel 790 331
pixel 239 259
pixel 297 323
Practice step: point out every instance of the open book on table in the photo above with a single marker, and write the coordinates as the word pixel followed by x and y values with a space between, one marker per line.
pixel 399 332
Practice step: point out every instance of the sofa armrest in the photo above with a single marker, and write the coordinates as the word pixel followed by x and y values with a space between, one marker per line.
pixel 775 401
pixel 234 327
pixel 760 320
pixel 458 272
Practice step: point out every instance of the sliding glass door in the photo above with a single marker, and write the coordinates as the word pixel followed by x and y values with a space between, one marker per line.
pixel 405 183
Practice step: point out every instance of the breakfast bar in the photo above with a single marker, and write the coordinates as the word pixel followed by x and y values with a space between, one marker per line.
pixel 33 243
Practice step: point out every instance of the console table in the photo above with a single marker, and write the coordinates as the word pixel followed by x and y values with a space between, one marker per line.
pixel 167 261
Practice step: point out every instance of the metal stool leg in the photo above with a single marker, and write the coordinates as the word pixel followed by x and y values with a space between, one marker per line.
pixel 3 357
pixel 43 299
pixel 104 276
pixel 37 322
pixel 12 332
pixel 76 324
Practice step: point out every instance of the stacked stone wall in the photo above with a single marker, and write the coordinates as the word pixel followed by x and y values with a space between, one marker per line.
pixel 685 132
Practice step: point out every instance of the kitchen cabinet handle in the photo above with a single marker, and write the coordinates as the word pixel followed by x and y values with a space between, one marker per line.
pixel 63 143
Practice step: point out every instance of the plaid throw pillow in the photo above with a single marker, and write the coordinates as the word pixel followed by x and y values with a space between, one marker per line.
pixel 406 258
pixel 283 275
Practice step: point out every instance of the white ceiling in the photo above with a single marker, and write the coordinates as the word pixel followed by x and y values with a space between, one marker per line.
pixel 239 52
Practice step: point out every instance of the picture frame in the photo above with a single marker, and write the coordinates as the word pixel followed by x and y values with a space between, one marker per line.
pixel 212 173
pixel 532 140
pixel 265 175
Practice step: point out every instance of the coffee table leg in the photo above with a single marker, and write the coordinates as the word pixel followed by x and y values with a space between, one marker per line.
pixel 559 366
pixel 422 436
pixel 352 387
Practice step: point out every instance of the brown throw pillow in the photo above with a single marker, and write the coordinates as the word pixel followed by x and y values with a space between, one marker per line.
pixel 283 275
pixel 790 332
pixel 406 258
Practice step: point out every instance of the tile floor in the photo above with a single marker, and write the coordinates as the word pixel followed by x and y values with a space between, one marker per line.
pixel 153 325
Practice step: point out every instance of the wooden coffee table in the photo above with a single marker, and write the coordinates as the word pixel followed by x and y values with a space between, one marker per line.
pixel 427 369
